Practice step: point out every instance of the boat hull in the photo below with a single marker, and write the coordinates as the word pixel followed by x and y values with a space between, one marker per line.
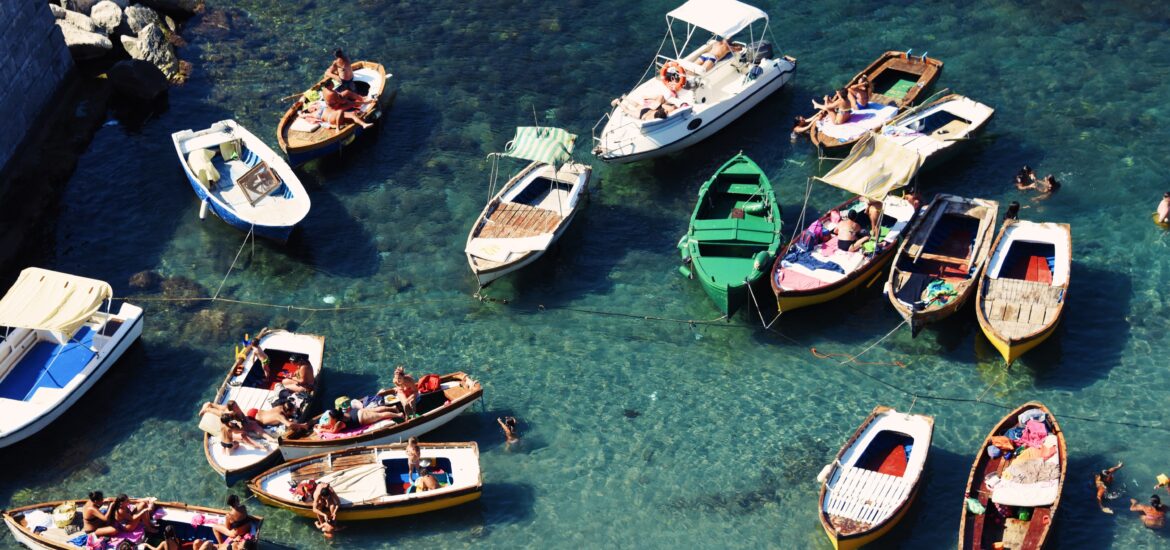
pixel 852 543
pixel 129 337
pixel 710 122
pixel 792 300
pixel 406 509
pixel 293 451
pixel 1012 350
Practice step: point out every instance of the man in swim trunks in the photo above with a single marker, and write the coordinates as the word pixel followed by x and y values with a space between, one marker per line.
pixel 341 71
pixel 356 414
pixel 282 413
pixel 1153 515
pixel 1102 480
pixel 302 381
pixel 718 51
pixel 254 345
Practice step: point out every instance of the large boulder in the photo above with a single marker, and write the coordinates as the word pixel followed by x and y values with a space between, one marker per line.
pixel 152 45
pixel 57 11
pixel 84 44
pixel 185 7
pixel 107 16
pixel 80 6
pixel 137 78
pixel 138 17
pixel 79 20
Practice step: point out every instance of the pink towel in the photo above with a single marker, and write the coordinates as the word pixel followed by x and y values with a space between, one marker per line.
pixel 829 248
pixel 1034 434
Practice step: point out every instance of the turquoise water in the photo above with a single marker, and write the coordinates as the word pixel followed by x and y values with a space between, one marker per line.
pixel 638 433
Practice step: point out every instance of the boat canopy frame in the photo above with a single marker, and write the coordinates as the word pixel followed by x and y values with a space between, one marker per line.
pixel 547 144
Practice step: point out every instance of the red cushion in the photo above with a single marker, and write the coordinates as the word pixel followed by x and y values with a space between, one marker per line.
pixel 1038 270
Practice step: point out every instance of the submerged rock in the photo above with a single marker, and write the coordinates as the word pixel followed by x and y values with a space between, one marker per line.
pixel 209 322
pixel 84 44
pixel 187 7
pixel 145 280
pixel 137 78
pixel 181 289
pixel 107 16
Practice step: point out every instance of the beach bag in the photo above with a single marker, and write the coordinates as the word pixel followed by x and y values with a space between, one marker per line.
pixel 429 383
pixel 64 514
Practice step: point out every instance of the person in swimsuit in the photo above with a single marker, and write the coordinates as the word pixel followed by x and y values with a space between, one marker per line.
pixel 511 433
pixel 1013 211
pixel 1153 515
pixel 413 455
pixel 232 434
pixel 134 514
pixel 254 346
pixel 282 413
pixel 171 541
pixel 237 524
pixel 342 71
pixel 838 107
pixel 239 543
pixel 340 108
pixel 1164 209
pixel 93 521
pixel 1102 480
pixel 325 504
pixel 1047 186
pixel 848 233
pixel 719 50
pixel 859 92
pixel 405 390
pixel 425 481
pixel 330 423
pixel 302 381
pixel 874 211
pixel 356 415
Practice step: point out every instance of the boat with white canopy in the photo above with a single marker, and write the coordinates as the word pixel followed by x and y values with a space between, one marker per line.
pixel 690 96
pixel 57 344
pixel 533 209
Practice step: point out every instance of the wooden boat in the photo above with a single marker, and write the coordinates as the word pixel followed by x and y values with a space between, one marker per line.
pixel 458 392
pixel 875 477
pixel 533 209
pixel 734 233
pixel 897 79
pixel 304 139
pixel 57 343
pixel 707 98
pixel 939 129
pixel 937 265
pixel 252 389
pixel 374 483
pixel 240 179
pixel 1022 513
pixel 1022 293
pixel 25 523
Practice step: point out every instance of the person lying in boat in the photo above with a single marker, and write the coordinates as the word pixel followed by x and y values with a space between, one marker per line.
pixel 341 71
pixel 850 237
pixel 651 108
pixel 425 481
pixel 355 413
pixel 1153 515
pixel 302 379
pixel 1102 480
pixel 232 434
pixel 859 92
pixel 837 108
pixel 720 49
pixel 325 504
pixel 342 106
pixel 236 526
pixel 282 413
pixel 251 425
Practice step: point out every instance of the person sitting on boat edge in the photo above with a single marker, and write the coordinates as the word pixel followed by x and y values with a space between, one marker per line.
pixel 859 92
pixel 1013 211
pixel 302 379
pixel 341 71
pixel 237 524
pixel 406 390
pixel 93 520
pixel 425 481
pixel 1164 209
pixel 325 506
pixel 1102 480
pixel 132 515
pixel 1153 514
pixel 355 414
pixel 837 107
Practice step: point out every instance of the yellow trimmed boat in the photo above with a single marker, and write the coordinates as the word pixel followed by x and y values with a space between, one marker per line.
pixel 374 482
pixel 1022 292
pixel 873 480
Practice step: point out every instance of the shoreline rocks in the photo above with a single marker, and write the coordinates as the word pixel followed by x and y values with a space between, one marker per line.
pixel 92 28
pixel 84 44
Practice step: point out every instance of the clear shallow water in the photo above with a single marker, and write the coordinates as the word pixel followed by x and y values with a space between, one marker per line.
pixel 730 423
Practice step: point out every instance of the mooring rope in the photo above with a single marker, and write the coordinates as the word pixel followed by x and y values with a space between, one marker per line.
pixel 236 259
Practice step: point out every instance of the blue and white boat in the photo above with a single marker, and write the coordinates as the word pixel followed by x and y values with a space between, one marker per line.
pixel 242 180
pixel 57 344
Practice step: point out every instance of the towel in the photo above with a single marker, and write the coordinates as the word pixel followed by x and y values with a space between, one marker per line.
pixel 1034 434
pixel 860 122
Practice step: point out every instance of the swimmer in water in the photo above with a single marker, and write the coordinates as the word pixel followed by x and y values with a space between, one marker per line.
pixel 1102 480
pixel 1153 514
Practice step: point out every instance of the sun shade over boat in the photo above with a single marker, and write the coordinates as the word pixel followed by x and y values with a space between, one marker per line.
pixel 721 17
pixel 541 144
pixel 874 168
pixel 48 300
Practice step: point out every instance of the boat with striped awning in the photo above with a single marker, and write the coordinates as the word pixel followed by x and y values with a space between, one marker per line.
pixel 532 210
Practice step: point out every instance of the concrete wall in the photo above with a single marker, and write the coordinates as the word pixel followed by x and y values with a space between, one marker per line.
pixel 33 63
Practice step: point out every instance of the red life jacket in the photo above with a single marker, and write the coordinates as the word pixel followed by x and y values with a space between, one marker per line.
pixel 430 383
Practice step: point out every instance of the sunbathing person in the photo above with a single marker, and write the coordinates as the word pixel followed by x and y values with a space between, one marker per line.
pixel 1102 480
pixel 720 50
pixel 652 108
pixel 232 408
pixel 171 541
pixel 282 413
pixel 413 455
pixel 425 481
pixel 848 231
pixel 837 107
pixel 405 390
pixel 133 514
pixel 302 379
pixel 354 414
pixel 1153 515
pixel 859 92
pixel 340 108
pixel 93 520
pixel 330 423
pixel 232 434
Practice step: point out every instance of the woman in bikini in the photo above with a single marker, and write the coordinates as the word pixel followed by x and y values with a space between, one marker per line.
pixel 171 541
pixel 237 524
pixel 405 390
pixel 132 515
pixel 838 107
pixel 93 521
pixel 859 92
pixel 1153 515
pixel 232 434
pixel 413 455
pixel 342 106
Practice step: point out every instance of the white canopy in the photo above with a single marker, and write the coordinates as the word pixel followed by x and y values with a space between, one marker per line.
pixel 48 300
pixel 875 167
pixel 721 17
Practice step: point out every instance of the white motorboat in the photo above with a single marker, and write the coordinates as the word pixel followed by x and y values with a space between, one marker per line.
pixel 57 344
pixel 532 210
pixel 938 129
pixel 701 98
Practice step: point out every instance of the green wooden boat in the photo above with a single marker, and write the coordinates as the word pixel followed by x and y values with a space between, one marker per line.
pixel 734 234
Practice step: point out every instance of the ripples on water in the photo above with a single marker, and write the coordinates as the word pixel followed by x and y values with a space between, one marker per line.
pixel 638 433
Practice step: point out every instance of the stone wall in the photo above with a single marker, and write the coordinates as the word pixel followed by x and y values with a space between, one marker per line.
pixel 33 64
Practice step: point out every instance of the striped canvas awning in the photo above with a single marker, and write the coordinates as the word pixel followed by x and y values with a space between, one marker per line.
pixel 541 144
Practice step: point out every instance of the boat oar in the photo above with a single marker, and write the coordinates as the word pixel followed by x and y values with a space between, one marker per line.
pixel 294 96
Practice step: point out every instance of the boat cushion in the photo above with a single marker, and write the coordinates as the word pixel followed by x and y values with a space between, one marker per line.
pixel 200 163
pixel 48 365
pixel 301 124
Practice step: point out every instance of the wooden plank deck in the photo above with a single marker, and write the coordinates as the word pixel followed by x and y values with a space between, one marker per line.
pixel 511 220
pixel 316 469
pixel 1018 308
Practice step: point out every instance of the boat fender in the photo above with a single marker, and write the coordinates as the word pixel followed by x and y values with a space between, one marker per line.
pixel 755 207
pixel 203 210
pixel 761 261
pixel 686 272
pixel 824 475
